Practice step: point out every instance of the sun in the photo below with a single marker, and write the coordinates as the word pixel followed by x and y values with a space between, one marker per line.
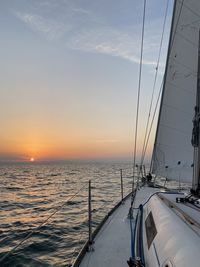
pixel 32 159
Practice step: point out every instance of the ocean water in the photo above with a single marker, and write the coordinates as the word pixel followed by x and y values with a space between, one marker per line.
pixel 31 192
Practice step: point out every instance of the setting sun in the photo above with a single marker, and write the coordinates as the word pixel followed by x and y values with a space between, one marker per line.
pixel 32 159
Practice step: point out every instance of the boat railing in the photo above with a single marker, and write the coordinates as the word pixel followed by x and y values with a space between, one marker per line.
pixel 27 235
pixel 93 209
pixel 95 222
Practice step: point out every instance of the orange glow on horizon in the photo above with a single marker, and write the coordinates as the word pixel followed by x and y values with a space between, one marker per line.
pixel 42 145
pixel 76 149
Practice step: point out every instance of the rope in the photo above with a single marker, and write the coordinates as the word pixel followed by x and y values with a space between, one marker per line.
pixel 151 125
pixel 179 15
pixel 42 224
pixel 132 236
pixel 139 87
pixel 136 235
pixel 158 192
pixel 170 49
pixel 155 80
pixel 141 235
pixel 146 139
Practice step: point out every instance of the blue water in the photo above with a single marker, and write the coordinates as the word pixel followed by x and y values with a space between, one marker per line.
pixel 30 192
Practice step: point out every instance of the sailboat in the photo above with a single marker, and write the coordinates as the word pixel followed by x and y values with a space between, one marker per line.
pixel 155 226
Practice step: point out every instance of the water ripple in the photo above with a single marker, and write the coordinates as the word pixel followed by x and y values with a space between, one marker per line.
pixel 31 192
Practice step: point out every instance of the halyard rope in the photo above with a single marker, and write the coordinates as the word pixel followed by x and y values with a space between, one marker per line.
pixel 154 84
pixel 161 87
pixel 138 96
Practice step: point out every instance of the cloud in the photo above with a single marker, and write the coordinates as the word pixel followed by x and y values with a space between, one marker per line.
pixel 51 29
pixel 84 29
pixel 110 42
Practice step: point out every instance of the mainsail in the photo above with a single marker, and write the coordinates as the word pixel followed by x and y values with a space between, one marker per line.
pixel 173 152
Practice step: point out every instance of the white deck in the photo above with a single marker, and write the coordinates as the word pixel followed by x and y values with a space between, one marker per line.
pixel 112 247
pixel 177 242
pixel 188 212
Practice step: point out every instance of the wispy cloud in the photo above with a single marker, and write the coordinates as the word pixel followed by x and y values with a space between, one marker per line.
pixel 50 28
pixel 83 29
pixel 109 41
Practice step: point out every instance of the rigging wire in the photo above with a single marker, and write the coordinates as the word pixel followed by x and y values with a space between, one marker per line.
pixel 42 224
pixel 155 80
pixel 179 15
pixel 162 84
pixel 164 78
pixel 138 96
pixel 155 109
pixel 151 125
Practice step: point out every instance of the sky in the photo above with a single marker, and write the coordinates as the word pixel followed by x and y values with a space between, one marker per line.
pixel 69 77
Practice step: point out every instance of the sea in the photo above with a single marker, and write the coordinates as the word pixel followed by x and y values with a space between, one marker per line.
pixel 44 208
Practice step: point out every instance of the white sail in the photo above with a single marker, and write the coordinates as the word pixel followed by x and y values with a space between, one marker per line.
pixel 173 152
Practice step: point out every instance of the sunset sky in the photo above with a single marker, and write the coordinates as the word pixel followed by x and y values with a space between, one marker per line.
pixel 69 76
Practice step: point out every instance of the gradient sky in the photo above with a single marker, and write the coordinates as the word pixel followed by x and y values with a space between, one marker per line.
pixel 69 76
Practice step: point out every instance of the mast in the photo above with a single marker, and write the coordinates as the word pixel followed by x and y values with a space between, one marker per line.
pixel 196 134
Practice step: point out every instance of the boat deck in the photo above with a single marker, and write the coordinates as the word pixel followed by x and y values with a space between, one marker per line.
pixel 188 212
pixel 177 236
pixel 112 245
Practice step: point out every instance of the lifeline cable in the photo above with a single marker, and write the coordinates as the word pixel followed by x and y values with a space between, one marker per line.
pixel 42 224
pixel 155 80
pixel 162 84
pixel 138 96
